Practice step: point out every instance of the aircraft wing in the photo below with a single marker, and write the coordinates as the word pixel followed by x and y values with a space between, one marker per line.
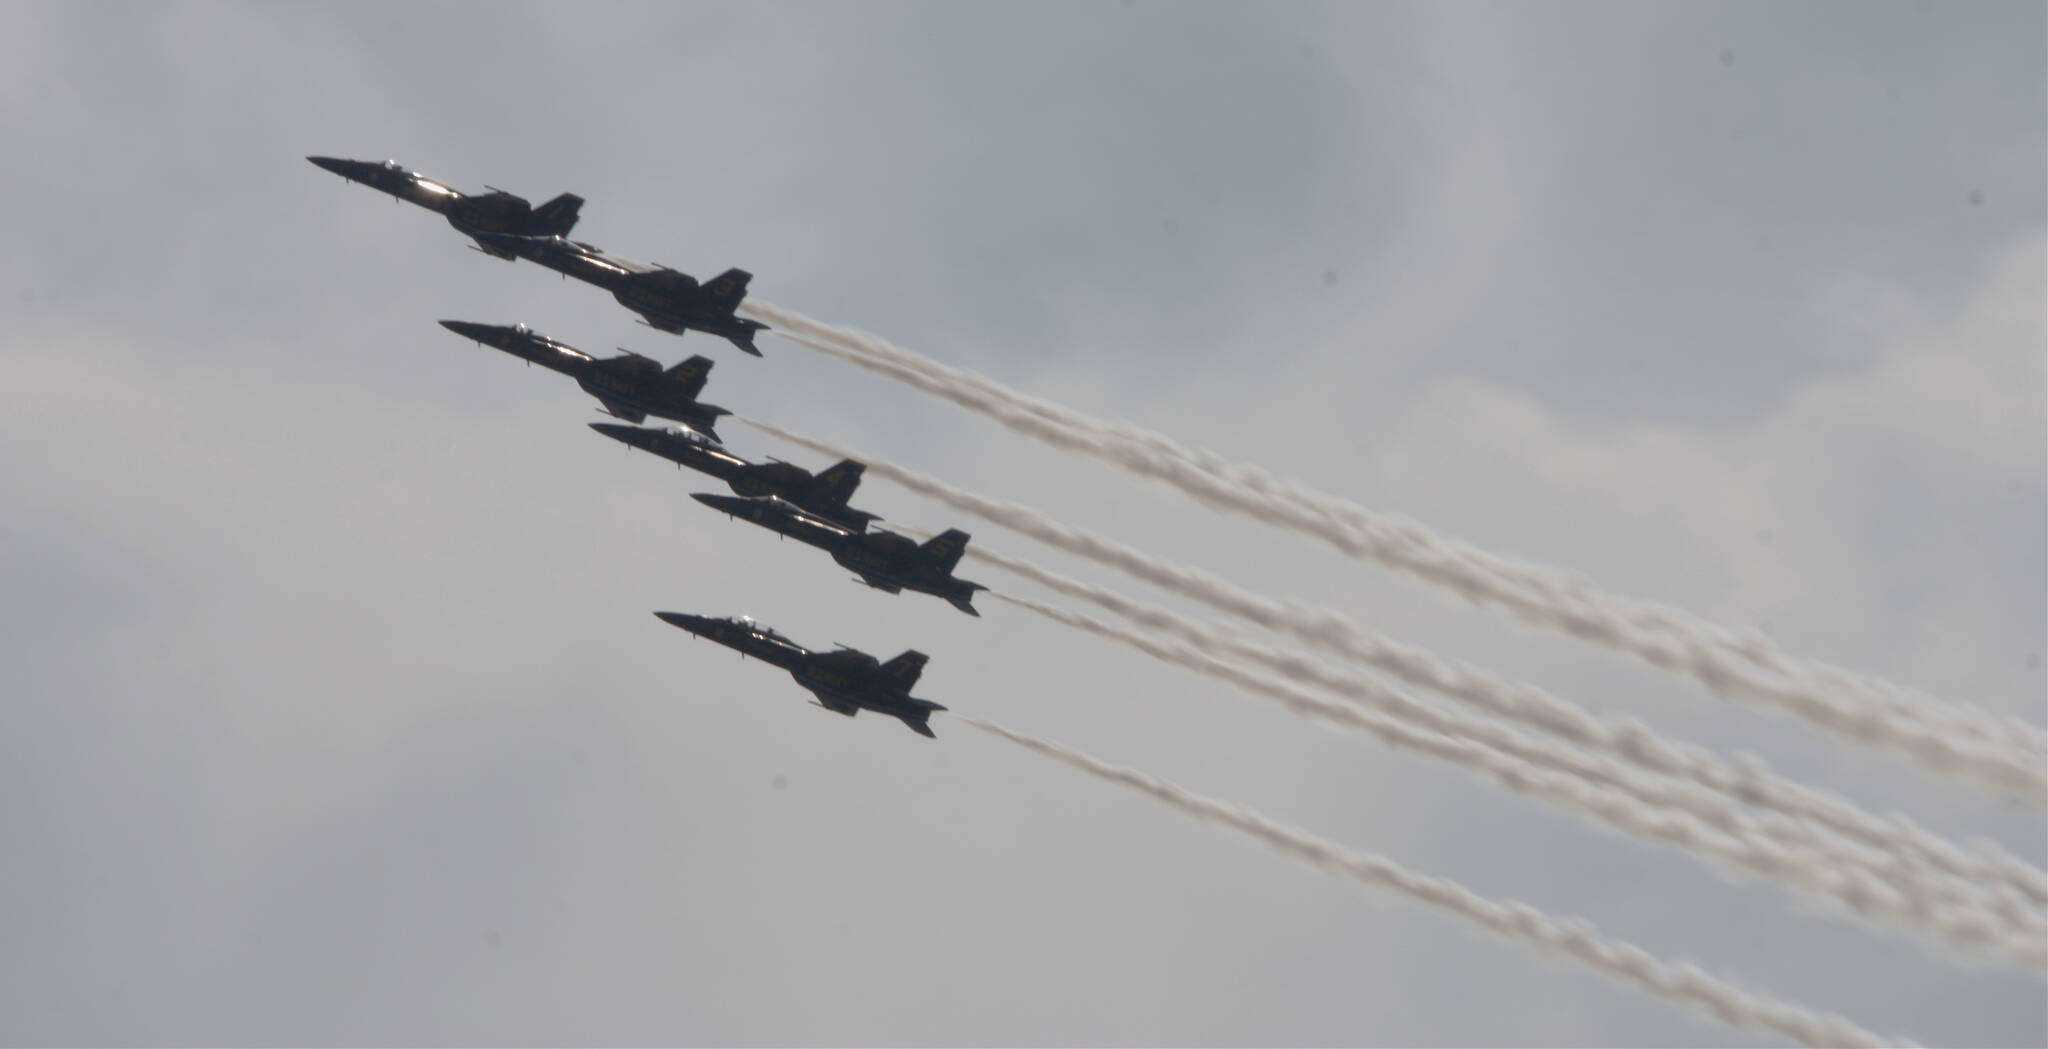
pixel 836 706
pixel 621 411
pixel 489 245
pixel 628 364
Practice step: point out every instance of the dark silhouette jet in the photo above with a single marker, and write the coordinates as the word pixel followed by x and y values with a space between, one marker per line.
pixel 631 387
pixel 822 495
pixel 664 298
pixel 845 681
pixel 482 216
pixel 571 258
pixel 674 302
pixel 883 560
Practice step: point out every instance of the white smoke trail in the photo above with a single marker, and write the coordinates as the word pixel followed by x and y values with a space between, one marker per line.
pixel 1938 899
pixel 1746 779
pixel 1854 888
pixel 1972 745
pixel 1570 938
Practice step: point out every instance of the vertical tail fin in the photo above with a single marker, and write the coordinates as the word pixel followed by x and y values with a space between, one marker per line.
pixel 728 288
pixel 556 217
pixel 902 672
pixel 945 548
pixel 690 374
pixel 836 483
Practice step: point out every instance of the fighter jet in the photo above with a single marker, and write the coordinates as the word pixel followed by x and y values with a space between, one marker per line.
pixel 674 302
pixel 571 258
pixel 665 298
pixel 631 387
pixel 482 216
pixel 846 681
pixel 883 560
pixel 822 495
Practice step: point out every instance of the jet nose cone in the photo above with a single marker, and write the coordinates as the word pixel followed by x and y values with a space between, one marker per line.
pixel 641 437
pixel 469 329
pixel 344 168
pixel 678 619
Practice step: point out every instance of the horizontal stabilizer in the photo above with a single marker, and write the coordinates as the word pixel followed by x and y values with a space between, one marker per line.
pixel 742 335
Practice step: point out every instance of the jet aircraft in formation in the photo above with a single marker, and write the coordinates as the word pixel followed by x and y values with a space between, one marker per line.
pixel 822 495
pixel 630 387
pixel 884 560
pixel 776 495
pixel 846 681
pixel 665 298
pixel 480 216
pixel 506 226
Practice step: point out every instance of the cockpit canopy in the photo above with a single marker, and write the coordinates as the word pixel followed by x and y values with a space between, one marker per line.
pixel 754 625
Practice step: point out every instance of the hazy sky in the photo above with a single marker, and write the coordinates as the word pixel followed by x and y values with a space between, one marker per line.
pixel 334 710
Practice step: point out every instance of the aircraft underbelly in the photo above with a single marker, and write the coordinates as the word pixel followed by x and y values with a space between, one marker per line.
pixel 872 578
pixel 832 700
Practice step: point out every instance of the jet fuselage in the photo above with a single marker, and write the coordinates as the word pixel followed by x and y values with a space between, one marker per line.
pixel 629 386
pixel 845 681
pixel 674 302
pixel 666 299
pixel 481 216
pixel 821 495
pixel 883 560
pixel 679 445
pixel 570 258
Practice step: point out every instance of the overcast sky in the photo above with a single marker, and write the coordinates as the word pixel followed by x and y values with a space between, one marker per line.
pixel 333 710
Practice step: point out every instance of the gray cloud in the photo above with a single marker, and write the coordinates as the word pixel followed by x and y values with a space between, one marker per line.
pixel 328 635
